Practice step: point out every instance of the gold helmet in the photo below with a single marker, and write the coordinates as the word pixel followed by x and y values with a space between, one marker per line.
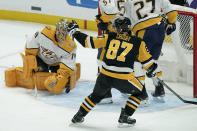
pixel 61 29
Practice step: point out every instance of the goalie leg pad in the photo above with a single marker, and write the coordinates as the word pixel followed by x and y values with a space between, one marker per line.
pixel 40 77
pixel 56 84
pixel 10 77
pixel 29 65
pixel 75 76
pixel 15 77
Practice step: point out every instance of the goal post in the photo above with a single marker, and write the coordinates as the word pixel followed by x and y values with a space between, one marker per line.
pixel 183 44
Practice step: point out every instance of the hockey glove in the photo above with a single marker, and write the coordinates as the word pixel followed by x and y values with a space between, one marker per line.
pixel 100 24
pixel 169 28
pixel 72 28
pixel 151 70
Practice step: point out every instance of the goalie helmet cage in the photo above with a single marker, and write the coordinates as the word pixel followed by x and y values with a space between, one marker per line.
pixel 186 12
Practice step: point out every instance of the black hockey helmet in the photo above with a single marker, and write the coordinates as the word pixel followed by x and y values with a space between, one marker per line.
pixel 122 24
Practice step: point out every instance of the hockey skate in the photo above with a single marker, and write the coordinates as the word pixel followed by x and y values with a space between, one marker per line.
pixel 125 120
pixel 78 118
pixel 159 93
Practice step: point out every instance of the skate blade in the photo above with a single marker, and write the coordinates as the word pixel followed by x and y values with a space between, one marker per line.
pixel 125 125
pixel 159 99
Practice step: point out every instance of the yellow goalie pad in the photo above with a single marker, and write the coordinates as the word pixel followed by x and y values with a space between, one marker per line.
pixel 39 79
pixel 29 65
pixel 75 76
pixel 15 77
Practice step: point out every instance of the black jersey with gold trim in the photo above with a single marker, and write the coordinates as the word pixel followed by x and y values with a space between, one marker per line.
pixel 120 52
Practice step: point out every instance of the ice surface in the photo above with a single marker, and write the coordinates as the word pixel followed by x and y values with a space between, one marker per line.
pixel 21 110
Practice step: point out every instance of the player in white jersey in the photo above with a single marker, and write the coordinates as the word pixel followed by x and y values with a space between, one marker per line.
pixel 49 61
pixel 148 24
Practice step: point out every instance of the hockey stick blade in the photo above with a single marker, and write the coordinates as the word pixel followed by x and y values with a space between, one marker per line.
pixel 180 98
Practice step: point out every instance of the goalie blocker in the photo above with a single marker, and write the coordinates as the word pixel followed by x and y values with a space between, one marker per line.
pixel 21 77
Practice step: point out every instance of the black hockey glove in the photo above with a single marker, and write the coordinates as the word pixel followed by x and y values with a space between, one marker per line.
pixel 72 28
pixel 101 25
pixel 169 28
pixel 151 70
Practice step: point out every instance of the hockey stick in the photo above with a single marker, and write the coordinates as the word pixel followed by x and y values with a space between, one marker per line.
pixel 180 98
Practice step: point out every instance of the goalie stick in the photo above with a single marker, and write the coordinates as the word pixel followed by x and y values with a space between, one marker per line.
pixel 180 98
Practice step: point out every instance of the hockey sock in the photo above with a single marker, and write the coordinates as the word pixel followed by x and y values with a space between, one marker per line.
pixel 87 106
pixel 131 105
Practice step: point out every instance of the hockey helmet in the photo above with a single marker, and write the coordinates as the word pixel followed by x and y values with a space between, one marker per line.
pixel 61 29
pixel 122 24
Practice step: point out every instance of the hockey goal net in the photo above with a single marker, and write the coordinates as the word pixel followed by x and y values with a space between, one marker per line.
pixel 178 59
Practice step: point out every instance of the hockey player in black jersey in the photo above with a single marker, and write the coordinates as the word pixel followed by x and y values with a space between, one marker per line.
pixel 121 50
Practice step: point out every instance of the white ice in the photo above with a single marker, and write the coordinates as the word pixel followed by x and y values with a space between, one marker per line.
pixel 21 110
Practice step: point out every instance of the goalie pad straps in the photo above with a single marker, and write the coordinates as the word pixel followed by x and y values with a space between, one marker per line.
pixel 29 65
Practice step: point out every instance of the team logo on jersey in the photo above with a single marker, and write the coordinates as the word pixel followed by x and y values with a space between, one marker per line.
pixel 48 54
pixel 93 4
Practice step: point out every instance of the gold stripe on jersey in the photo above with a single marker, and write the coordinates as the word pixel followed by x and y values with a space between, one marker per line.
pixel 172 16
pixel 117 75
pixel 32 51
pixel 144 54
pixel 147 23
pixel 141 33
pixel 148 64
pixel 96 42
pixel 68 44
pixel 135 82
pixel 107 17
pixel 102 54
pixel 141 78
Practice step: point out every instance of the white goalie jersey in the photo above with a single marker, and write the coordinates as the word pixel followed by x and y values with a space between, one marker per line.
pixel 44 45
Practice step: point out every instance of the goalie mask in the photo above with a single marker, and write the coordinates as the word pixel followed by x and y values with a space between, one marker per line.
pixel 61 30
pixel 122 25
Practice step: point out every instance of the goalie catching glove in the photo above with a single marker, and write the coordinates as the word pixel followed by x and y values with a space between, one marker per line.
pixel 72 28
pixel 169 28
pixel 151 71
pixel 56 83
